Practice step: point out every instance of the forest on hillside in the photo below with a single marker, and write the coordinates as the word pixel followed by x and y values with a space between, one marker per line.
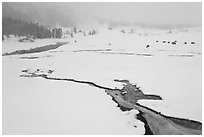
pixel 19 28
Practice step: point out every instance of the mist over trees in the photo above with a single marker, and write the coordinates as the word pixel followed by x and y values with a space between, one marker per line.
pixel 47 13
pixel 20 28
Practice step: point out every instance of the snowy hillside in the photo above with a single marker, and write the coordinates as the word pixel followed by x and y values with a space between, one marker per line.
pixel 161 62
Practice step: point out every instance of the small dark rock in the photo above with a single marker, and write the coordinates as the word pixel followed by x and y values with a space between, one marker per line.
pixel 147 46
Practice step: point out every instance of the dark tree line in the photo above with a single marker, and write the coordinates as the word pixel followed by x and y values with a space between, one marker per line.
pixel 19 28
pixel 57 33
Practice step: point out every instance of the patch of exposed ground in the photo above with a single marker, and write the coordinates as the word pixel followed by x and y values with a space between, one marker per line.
pixel 127 98
pixel 92 50
pixel 37 49
pixel 157 123
pixel 29 57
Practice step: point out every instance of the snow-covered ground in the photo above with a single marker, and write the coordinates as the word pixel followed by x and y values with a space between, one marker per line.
pixel 39 106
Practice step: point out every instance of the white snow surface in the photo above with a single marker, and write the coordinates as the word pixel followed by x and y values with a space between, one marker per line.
pixel 40 106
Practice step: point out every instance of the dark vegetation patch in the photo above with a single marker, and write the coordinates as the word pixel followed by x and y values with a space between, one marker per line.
pixel 37 49
pixel 18 27
pixel 29 57
pixel 26 40
pixel 24 70
pixel 92 50
pixel 144 54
